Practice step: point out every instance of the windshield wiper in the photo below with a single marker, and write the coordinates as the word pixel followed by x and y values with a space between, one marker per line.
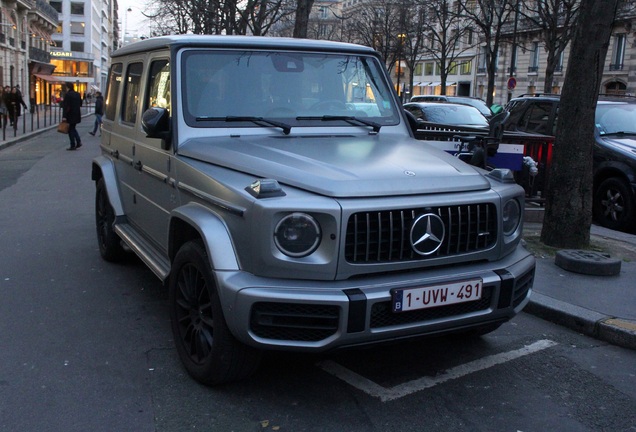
pixel 257 120
pixel 349 119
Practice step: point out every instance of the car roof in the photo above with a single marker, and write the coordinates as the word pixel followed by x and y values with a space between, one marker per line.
pixel 242 42
pixel 440 104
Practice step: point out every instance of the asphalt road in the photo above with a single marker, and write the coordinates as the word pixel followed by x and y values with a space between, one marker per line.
pixel 86 345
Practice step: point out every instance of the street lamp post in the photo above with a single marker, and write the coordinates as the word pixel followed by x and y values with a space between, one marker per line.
pixel 123 38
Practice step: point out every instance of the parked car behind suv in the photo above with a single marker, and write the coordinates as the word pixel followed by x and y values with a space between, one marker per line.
pixel 276 187
pixel 465 100
pixel 614 204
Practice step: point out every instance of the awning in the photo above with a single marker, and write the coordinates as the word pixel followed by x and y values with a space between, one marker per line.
pixel 63 79
pixel 416 84
pixel 435 84
pixel 450 83
pixel 49 78
pixel 424 84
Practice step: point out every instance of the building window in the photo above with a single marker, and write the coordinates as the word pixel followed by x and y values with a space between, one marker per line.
pixel 77 8
pixel 57 5
pixel 483 54
pixel 559 65
pixel 466 67
pixel 77 46
pixel 418 69
pixel 77 28
pixel 534 58
pixel 428 68
pixel 618 55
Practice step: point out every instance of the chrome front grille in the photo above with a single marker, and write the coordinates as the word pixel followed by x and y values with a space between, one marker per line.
pixel 384 236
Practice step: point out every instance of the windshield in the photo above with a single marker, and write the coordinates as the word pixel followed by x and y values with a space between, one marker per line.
pixel 454 114
pixel 616 118
pixel 297 89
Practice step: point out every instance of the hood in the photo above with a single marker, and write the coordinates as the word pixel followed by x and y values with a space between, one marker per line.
pixel 341 166
pixel 626 143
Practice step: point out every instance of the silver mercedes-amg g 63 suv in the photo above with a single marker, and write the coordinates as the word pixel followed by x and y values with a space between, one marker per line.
pixel 275 186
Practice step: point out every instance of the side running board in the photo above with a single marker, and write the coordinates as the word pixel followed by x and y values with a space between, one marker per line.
pixel 158 263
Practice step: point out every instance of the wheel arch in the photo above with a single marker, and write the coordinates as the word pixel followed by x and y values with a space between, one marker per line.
pixel 104 168
pixel 617 170
pixel 194 221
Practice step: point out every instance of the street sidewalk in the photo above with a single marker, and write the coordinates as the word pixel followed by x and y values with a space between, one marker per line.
pixel 603 307
pixel 44 119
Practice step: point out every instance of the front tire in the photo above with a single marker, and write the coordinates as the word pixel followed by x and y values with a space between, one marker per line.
pixel 109 243
pixel 614 205
pixel 205 345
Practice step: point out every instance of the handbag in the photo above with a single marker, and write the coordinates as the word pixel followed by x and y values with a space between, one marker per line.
pixel 63 127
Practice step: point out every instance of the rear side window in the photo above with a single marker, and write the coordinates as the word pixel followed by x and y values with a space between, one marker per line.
pixel 537 118
pixel 131 93
pixel 112 92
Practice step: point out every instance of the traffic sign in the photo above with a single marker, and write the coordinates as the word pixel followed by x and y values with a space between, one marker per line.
pixel 512 83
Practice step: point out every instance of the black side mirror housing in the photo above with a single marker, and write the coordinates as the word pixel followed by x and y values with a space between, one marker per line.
pixel 156 123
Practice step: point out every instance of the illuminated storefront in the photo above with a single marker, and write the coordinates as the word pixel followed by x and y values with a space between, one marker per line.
pixel 70 66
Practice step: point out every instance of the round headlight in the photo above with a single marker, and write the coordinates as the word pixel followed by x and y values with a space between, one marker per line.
pixel 297 235
pixel 511 216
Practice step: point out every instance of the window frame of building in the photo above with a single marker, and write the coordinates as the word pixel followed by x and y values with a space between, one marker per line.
pixel 534 58
pixel 77 8
pixel 618 52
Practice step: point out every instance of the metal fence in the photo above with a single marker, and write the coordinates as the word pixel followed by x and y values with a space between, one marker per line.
pixel 39 117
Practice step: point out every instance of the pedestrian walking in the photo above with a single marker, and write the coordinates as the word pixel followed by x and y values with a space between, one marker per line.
pixel 99 112
pixel 15 109
pixel 71 112
pixel 3 108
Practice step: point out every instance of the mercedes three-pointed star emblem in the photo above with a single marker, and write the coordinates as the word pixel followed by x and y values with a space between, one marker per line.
pixel 427 234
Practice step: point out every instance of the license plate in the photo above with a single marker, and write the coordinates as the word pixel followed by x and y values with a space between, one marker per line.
pixel 436 295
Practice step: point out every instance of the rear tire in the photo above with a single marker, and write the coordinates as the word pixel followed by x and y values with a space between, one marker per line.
pixel 206 347
pixel 614 205
pixel 109 243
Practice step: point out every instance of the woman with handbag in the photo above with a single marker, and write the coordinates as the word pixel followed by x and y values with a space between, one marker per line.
pixel 71 112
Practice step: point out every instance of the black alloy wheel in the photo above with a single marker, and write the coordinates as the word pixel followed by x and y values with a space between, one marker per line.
pixel 614 205
pixel 205 345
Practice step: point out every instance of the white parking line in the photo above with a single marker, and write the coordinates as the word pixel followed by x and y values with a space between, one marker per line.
pixel 407 388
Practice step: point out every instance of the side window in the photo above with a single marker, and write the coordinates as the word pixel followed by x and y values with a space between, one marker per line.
pixel 537 117
pixel 158 94
pixel 131 93
pixel 112 92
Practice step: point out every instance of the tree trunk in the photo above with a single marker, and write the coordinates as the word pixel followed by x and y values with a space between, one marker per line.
pixel 568 213
pixel 303 9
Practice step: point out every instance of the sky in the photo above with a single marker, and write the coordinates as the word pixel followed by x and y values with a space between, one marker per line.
pixel 133 22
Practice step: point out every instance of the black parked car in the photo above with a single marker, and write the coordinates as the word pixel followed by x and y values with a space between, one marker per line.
pixel 614 150
pixel 464 100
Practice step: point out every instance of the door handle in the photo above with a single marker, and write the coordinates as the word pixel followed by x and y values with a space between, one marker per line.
pixel 138 166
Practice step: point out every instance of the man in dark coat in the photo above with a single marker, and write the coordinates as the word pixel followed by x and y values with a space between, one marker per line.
pixel 71 106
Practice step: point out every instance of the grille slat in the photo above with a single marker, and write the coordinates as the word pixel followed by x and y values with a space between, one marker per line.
pixel 384 236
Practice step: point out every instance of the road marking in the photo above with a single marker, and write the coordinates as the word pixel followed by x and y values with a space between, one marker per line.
pixel 407 388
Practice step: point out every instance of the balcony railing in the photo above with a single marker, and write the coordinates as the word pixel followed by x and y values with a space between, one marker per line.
pixel 533 69
pixel 616 66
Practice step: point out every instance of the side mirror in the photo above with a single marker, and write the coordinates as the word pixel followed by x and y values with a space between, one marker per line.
pixel 156 123
pixel 413 123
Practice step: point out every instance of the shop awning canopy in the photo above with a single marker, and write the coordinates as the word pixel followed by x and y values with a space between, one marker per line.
pixel 63 79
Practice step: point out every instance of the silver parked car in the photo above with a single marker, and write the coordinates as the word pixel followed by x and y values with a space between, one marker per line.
pixel 275 186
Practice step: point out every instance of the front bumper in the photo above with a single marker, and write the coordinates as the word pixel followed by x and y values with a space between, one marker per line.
pixel 317 315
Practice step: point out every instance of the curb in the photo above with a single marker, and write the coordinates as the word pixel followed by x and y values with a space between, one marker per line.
pixel 15 140
pixel 606 328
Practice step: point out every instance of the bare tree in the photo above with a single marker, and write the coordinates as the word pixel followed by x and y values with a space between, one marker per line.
pixel 445 29
pixel 568 213
pixel 490 17
pixel 555 21
pixel 255 17
pixel 303 9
